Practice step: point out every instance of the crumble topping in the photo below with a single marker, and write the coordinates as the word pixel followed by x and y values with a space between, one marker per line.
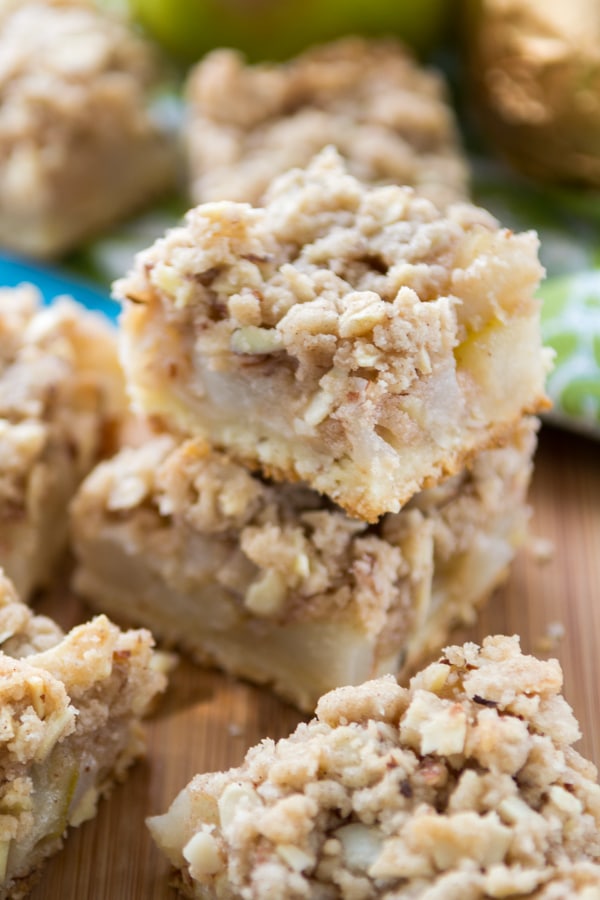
pixel 21 632
pixel 71 666
pixel 57 363
pixel 388 117
pixel 463 785
pixel 345 280
pixel 74 42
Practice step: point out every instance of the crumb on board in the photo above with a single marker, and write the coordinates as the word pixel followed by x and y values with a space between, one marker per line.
pixel 235 730
pixel 541 549
pixel 546 643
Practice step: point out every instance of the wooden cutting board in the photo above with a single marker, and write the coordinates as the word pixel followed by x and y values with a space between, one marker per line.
pixel 207 720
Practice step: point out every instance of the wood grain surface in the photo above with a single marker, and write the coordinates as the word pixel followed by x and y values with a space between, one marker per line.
pixel 207 720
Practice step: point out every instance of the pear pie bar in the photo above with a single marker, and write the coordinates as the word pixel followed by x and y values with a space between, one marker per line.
pixel 61 398
pixel 465 785
pixel 353 338
pixel 274 583
pixel 388 117
pixel 79 147
pixel 70 711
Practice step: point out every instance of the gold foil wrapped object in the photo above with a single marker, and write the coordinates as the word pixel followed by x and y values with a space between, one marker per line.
pixel 534 68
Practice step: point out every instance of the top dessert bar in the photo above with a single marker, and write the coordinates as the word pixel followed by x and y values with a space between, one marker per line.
pixel 352 337
pixel 79 146
pixel 388 117
pixel 464 786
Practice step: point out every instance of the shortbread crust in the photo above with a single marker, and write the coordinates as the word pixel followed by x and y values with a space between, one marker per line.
pixel 465 785
pixel 353 338
pixel 273 583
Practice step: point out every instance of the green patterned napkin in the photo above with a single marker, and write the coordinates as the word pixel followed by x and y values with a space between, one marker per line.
pixel 571 325
pixel 568 223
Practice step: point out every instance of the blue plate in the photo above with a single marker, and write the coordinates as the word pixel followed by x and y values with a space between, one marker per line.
pixel 51 283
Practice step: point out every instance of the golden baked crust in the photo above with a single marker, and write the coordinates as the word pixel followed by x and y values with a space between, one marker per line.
pixel 70 708
pixel 78 146
pixel 274 583
pixel 387 116
pixel 464 785
pixel 61 399
pixel 350 337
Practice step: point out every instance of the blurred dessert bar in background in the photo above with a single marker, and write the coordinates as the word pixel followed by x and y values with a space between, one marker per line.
pixel 388 117
pixel 79 145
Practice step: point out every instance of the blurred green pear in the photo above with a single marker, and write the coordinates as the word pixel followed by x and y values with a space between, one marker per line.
pixel 277 29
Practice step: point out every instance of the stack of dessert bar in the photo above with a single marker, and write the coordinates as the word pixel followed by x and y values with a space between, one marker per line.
pixel 342 380
pixel 346 375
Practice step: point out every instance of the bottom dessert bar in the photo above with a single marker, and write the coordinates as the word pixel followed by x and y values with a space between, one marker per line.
pixel 272 582
pixel 70 709
pixel 465 786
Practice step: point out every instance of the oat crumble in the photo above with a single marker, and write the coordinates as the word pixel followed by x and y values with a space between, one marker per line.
pixel 462 787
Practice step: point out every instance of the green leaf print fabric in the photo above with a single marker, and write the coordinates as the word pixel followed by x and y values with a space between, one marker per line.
pixel 568 223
